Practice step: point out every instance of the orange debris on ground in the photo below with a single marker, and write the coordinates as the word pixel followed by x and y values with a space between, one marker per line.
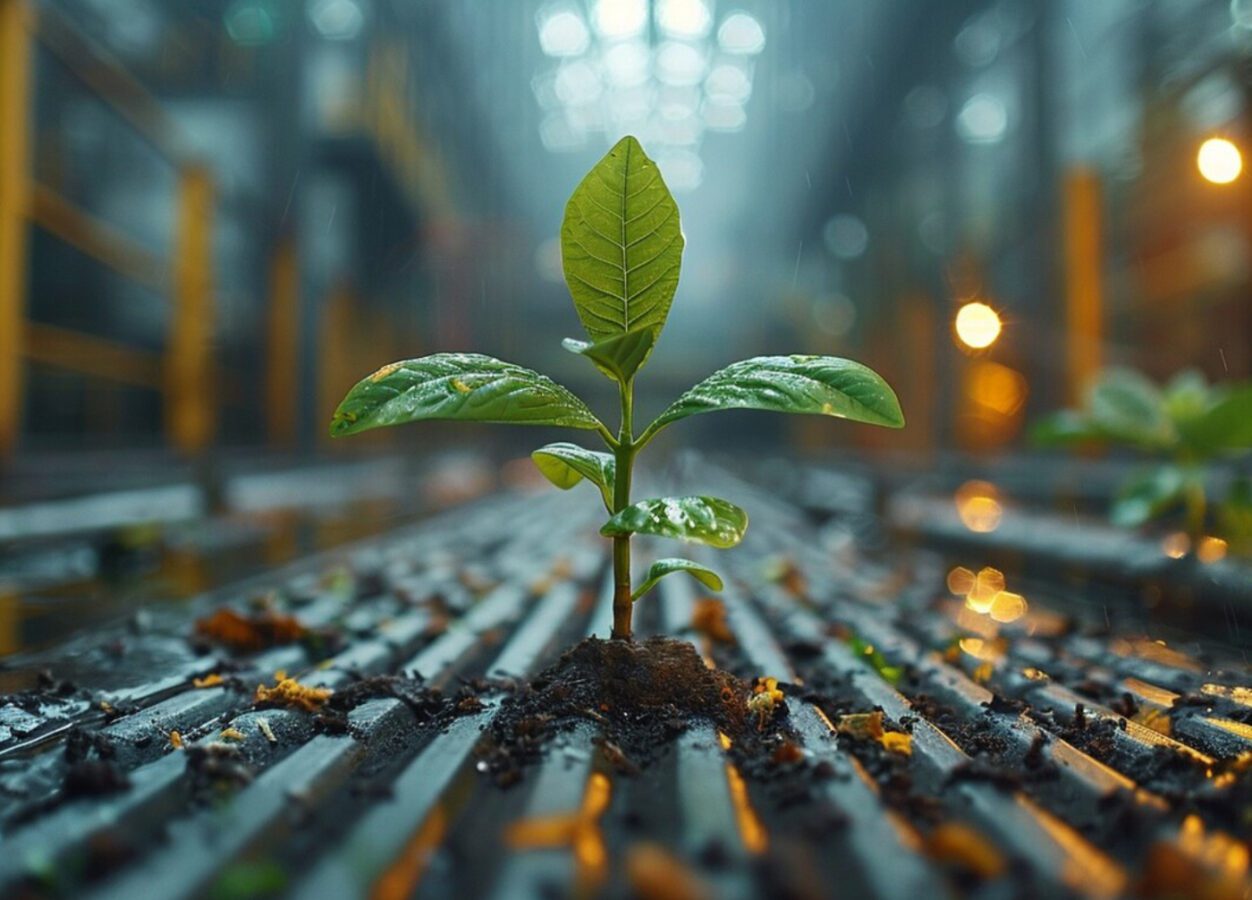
pixel 208 681
pixel 868 727
pixel 962 847
pixel 259 631
pixel 764 699
pixel 289 692
pixel 708 617
pixel 655 874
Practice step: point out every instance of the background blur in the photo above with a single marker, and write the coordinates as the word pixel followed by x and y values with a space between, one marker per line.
pixel 217 216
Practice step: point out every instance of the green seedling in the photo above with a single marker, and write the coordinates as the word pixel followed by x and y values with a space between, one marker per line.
pixel 621 249
pixel 1188 423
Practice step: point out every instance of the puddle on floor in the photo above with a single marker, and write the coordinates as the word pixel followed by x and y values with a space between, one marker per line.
pixel 153 569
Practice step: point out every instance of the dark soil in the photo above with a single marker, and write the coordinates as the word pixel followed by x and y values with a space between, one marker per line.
pixel 641 695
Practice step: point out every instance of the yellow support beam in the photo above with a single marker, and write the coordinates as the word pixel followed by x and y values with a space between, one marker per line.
pixel 1084 295
pixel 96 238
pixel 98 357
pixel 282 357
pixel 15 91
pixel 190 391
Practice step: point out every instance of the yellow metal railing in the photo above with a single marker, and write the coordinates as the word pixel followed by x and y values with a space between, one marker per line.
pixel 184 373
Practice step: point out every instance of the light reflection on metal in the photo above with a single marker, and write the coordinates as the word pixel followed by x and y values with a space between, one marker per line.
pixel 986 594
pixel 1219 161
pixel 579 830
pixel 978 326
pixel 751 831
pixel 980 649
pixel 978 505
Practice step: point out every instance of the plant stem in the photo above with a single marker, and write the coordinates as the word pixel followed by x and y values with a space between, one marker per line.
pixel 1196 505
pixel 624 454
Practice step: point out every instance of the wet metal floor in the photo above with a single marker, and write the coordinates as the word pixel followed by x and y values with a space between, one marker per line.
pixel 1045 755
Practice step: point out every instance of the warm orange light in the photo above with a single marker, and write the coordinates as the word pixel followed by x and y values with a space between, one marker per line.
pixel 1219 161
pixel 960 581
pixel 1210 549
pixel 977 325
pixel 996 388
pixel 1176 545
pixel 988 584
pixel 978 505
pixel 1008 607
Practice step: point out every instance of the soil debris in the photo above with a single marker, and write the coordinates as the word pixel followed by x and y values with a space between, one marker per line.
pixel 94 778
pixel 640 695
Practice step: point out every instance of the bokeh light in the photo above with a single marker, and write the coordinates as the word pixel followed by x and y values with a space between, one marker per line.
pixel 977 325
pixel 978 505
pixel 1219 161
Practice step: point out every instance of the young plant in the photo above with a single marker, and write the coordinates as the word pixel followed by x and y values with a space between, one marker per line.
pixel 1188 422
pixel 621 249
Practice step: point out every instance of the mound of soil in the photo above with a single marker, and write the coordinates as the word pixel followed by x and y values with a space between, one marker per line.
pixel 639 694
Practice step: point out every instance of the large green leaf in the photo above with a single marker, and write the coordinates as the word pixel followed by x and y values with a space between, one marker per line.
pixel 465 386
pixel 567 464
pixel 618 357
pixel 663 567
pixel 1146 496
pixel 1129 408
pixel 621 245
pixel 1226 426
pixel 820 385
pixel 706 520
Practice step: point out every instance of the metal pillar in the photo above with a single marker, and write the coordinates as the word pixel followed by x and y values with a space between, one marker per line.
pixel 282 356
pixel 1084 301
pixel 15 92
pixel 190 401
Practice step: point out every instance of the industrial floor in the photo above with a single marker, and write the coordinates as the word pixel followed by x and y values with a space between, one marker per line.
pixel 1050 748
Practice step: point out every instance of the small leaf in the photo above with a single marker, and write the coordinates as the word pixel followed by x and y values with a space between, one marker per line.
pixel 1235 511
pixel 465 386
pixel 820 385
pixel 1226 426
pixel 1064 429
pixel 567 464
pixel 1186 396
pixel 621 244
pixel 707 520
pixel 1146 496
pixel 663 567
pixel 618 357
pixel 1128 407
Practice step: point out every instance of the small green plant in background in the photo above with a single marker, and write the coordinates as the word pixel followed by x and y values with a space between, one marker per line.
pixel 621 249
pixel 1188 423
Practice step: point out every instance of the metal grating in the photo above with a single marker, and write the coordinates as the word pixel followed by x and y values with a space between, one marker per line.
pixel 1048 758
